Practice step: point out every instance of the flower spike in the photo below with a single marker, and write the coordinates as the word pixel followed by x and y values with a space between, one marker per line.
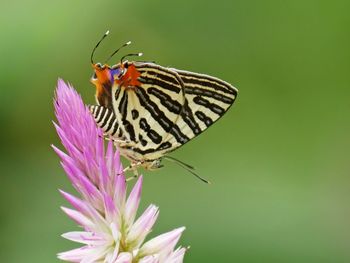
pixel 110 232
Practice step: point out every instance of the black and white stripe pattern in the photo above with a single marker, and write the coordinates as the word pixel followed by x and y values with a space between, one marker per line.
pixel 168 109
pixel 208 96
pixel 106 120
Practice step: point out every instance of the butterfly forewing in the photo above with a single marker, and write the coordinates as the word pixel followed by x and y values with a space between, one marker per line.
pixel 148 113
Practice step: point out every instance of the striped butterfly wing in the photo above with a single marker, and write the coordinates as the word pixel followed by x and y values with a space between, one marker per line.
pixel 148 113
pixel 165 111
pixel 107 121
pixel 207 99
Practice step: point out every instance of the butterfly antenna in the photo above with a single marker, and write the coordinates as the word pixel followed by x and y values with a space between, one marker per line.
pixel 130 55
pixel 187 167
pixel 98 43
pixel 115 52
pixel 181 162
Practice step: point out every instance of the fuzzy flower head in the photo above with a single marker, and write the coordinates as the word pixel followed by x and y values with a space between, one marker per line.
pixel 110 231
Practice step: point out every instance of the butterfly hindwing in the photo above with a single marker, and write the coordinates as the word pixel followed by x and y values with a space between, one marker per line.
pixel 106 120
pixel 208 97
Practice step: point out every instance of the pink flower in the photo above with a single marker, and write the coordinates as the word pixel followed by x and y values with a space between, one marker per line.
pixel 107 215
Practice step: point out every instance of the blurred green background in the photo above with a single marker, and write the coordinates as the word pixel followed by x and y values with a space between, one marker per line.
pixel 279 159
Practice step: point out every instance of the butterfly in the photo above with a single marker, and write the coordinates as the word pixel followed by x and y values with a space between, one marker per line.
pixel 150 110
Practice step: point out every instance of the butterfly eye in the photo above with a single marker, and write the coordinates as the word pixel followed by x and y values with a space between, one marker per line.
pixel 100 66
pixel 94 76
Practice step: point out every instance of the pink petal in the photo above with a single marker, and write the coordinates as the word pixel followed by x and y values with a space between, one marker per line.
pixel 87 238
pixel 117 166
pixel 162 244
pixel 104 175
pixel 176 256
pixel 100 223
pixel 78 217
pixel 120 191
pixel 84 185
pixel 91 167
pixel 133 202
pixel 75 202
pixel 111 211
pixel 95 254
pixel 142 226
pixel 74 255
pixel 124 257
pixel 64 157
pixel 150 259
pixel 109 156
pixel 70 147
pixel 115 233
pixel 112 254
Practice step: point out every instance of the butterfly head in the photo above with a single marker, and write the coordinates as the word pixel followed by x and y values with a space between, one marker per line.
pixel 103 81
pixel 106 76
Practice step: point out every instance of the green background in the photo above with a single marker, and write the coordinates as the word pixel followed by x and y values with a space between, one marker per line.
pixel 278 160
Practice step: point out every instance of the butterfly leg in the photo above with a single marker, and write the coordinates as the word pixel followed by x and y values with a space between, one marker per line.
pixel 133 167
pixel 120 142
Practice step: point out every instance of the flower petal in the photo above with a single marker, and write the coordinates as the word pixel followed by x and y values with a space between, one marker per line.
pixel 87 238
pixel 79 218
pixel 111 211
pixel 124 257
pixel 77 203
pixel 74 255
pixel 161 244
pixel 150 259
pixel 142 227
pixel 176 256
pixel 120 191
pixel 133 202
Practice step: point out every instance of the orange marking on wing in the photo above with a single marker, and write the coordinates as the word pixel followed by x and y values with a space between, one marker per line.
pixel 130 79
